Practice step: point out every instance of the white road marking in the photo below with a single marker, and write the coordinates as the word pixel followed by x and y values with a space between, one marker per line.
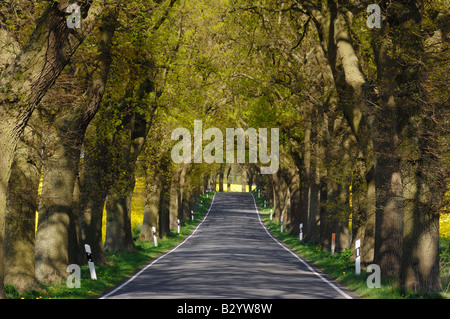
pixel 195 230
pixel 296 256
pixel 160 257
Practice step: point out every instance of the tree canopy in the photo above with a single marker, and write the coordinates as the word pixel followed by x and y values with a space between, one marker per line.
pixel 362 113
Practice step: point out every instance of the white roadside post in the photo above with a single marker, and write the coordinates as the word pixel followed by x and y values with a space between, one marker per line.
pixel 281 224
pixel 90 261
pixel 270 214
pixel 155 240
pixel 300 236
pixel 178 224
pixel 259 193
pixel 333 243
pixel 358 257
pixel 192 215
pixel 264 203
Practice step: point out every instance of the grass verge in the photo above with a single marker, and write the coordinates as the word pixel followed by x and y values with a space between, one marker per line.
pixel 340 266
pixel 120 266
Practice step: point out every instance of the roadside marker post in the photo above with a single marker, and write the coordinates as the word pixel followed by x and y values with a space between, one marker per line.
pixel 264 203
pixel 281 224
pixel 270 214
pixel 178 224
pixel 358 257
pixel 155 240
pixel 300 236
pixel 192 215
pixel 333 243
pixel 87 248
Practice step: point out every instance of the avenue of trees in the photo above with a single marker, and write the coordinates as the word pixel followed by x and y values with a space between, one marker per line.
pixel 363 115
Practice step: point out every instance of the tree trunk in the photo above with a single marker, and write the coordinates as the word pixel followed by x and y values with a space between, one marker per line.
pixel 181 194
pixel 40 62
pixel 228 179
pixel 118 221
pixel 66 136
pixel 389 213
pixel 244 176
pixel 130 143
pixel 221 173
pixel 420 262
pixel 94 185
pixel 292 179
pixel 21 209
pixel 55 209
pixel 164 215
pixel 174 203
pixel 342 228
pixel 314 178
pixel 423 175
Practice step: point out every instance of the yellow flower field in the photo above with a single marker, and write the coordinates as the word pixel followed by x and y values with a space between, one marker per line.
pixel 137 209
pixel 444 225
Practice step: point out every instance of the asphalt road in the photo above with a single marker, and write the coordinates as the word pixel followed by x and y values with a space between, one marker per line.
pixel 230 255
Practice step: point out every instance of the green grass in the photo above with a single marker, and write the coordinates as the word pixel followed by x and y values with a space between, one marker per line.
pixel 123 265
pixel 340 267
pixel 120 265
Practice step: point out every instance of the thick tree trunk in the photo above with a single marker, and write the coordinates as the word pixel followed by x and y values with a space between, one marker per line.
pixel 174 203
pixel 93 197
pixel 153 182
pixel 40 62
pixel 118 221
pixel 389 202
pixel 292 180
pixel 21 209
pixel 130 143
pixel 7 144
pixel 66 136
pixel 420 263
pixel 95 182
pixel 55 208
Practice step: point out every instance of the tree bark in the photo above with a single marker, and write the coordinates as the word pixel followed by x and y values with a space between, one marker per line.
pixel 55 208
pixel 66 135
pixel 153 182
pixel 389 202
pixel 352 93
pixel 174 203
pixel 221 173
pixel 130 142
pixel 21 209
pixel 292 180
pixel 420 263
pixel 118 221
pixel 39 63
